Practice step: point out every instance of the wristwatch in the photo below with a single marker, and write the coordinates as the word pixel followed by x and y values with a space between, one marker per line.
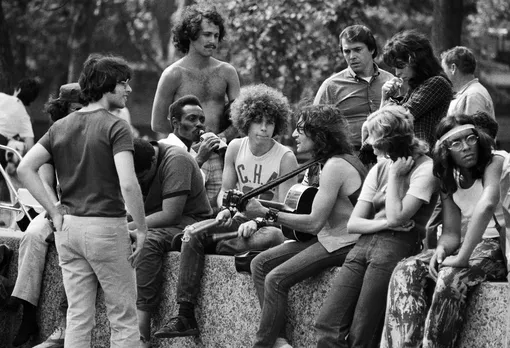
pixel 272 215
pixel 261 222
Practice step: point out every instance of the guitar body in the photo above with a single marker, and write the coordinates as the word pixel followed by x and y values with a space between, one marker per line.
pixel 298 200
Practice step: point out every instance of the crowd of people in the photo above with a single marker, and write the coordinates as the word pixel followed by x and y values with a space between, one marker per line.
pixel 392 155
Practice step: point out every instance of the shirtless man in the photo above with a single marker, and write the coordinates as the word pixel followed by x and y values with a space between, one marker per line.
pixel 198 73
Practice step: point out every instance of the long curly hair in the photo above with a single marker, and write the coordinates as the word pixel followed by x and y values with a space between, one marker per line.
pixel 188 27
pixel 327 128
pixel 393 128
pixel 256 102
pixel 444 165
pixel 100 75
pixel 414 48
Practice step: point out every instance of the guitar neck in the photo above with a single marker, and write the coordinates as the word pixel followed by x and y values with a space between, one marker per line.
pixel 272 204
pixel 257 191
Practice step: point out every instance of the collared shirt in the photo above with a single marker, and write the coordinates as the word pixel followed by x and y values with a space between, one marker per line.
pixel 172 139
pixel 472 97
pixel 356 97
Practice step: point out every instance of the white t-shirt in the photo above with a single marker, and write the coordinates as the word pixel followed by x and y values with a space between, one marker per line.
pixel 14 118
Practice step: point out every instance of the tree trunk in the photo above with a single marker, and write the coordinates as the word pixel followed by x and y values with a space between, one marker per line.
pixel 447 24
pixel 84 22
pixel 6 57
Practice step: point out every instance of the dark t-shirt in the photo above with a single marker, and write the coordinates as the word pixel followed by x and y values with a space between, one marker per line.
pixel 82 146
pixel 178 174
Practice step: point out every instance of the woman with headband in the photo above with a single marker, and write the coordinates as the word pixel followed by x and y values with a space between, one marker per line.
pixel 468 251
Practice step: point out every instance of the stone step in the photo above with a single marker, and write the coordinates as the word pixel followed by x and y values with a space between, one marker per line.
pixel 228 311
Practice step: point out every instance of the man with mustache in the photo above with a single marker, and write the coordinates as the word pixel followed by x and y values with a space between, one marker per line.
pixel 197 35
pixel 355 90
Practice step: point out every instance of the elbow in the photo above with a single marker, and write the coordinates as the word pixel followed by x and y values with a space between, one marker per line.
pixel 314 229
pixel 129 186
pixel 395 221
pixel 351 226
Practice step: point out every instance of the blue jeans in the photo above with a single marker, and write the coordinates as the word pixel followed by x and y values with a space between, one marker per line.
pixel 276 270
pixel 352 314
pixel 149 272
pixel 417 318
pixel 92 249
pixel 193 254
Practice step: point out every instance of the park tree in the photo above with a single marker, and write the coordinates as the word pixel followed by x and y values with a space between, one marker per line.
pixel 6 57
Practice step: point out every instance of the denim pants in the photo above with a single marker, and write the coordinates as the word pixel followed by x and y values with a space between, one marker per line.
pixel 149 272
pixel 93 249
pixel 276 270
pixel 353 313
pixel 410 322
pixel 31 260
pixel 193 254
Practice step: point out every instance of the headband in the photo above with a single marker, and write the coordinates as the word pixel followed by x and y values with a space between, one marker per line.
pixel 455 131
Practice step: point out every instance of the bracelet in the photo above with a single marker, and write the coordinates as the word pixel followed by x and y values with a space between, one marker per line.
pixel 261 222
pixel 272 215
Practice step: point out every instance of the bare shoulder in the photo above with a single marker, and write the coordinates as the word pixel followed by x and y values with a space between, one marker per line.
pixel 232 149
pixel 175 70
pixel 339 167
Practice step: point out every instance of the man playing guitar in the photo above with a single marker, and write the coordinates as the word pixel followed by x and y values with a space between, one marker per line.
pixel 322 131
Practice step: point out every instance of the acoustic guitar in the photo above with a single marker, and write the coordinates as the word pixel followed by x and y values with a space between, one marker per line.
pixel 298 200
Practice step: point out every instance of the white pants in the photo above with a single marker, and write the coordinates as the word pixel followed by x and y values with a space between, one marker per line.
pixel 93 249
pixel 31 260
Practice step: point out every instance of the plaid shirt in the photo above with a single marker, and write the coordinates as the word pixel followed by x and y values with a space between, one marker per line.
pixel 213 171
pixel 428 103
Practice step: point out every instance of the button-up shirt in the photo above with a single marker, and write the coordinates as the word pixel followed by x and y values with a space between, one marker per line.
pixel 356 97
pixel 472 97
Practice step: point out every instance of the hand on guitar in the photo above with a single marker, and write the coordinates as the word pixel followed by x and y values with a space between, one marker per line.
pixel 224 218
pixel 247 229
pixel 254 209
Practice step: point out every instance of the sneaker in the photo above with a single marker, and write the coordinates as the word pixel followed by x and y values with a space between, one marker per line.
pixel 178 327
pixel 281 343
pixel 56 339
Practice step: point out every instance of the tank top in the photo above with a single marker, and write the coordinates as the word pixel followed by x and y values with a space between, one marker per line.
pixel 254 171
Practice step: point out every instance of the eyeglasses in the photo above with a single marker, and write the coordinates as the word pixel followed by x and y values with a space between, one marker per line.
pixel 124 84
pixel 458 145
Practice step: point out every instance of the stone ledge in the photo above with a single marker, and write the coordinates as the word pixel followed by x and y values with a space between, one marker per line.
pixel 228 311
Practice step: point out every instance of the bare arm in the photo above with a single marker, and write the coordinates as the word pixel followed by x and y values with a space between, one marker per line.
pixel 400 210
pixel 233 89
pixel 133 198
pixel 450 236
pixel 165 92
pixel 47 175
pixel 287 164
pixel 362 222
pixel 170 214
pixel 332 179
pixel 29 176
pixel 229 178
pixel 482 213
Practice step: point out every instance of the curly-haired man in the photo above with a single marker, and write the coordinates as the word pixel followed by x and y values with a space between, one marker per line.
pixel 197 35
pixel 261 113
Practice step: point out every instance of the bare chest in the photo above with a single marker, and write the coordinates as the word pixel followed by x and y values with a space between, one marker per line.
pixel 206 85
